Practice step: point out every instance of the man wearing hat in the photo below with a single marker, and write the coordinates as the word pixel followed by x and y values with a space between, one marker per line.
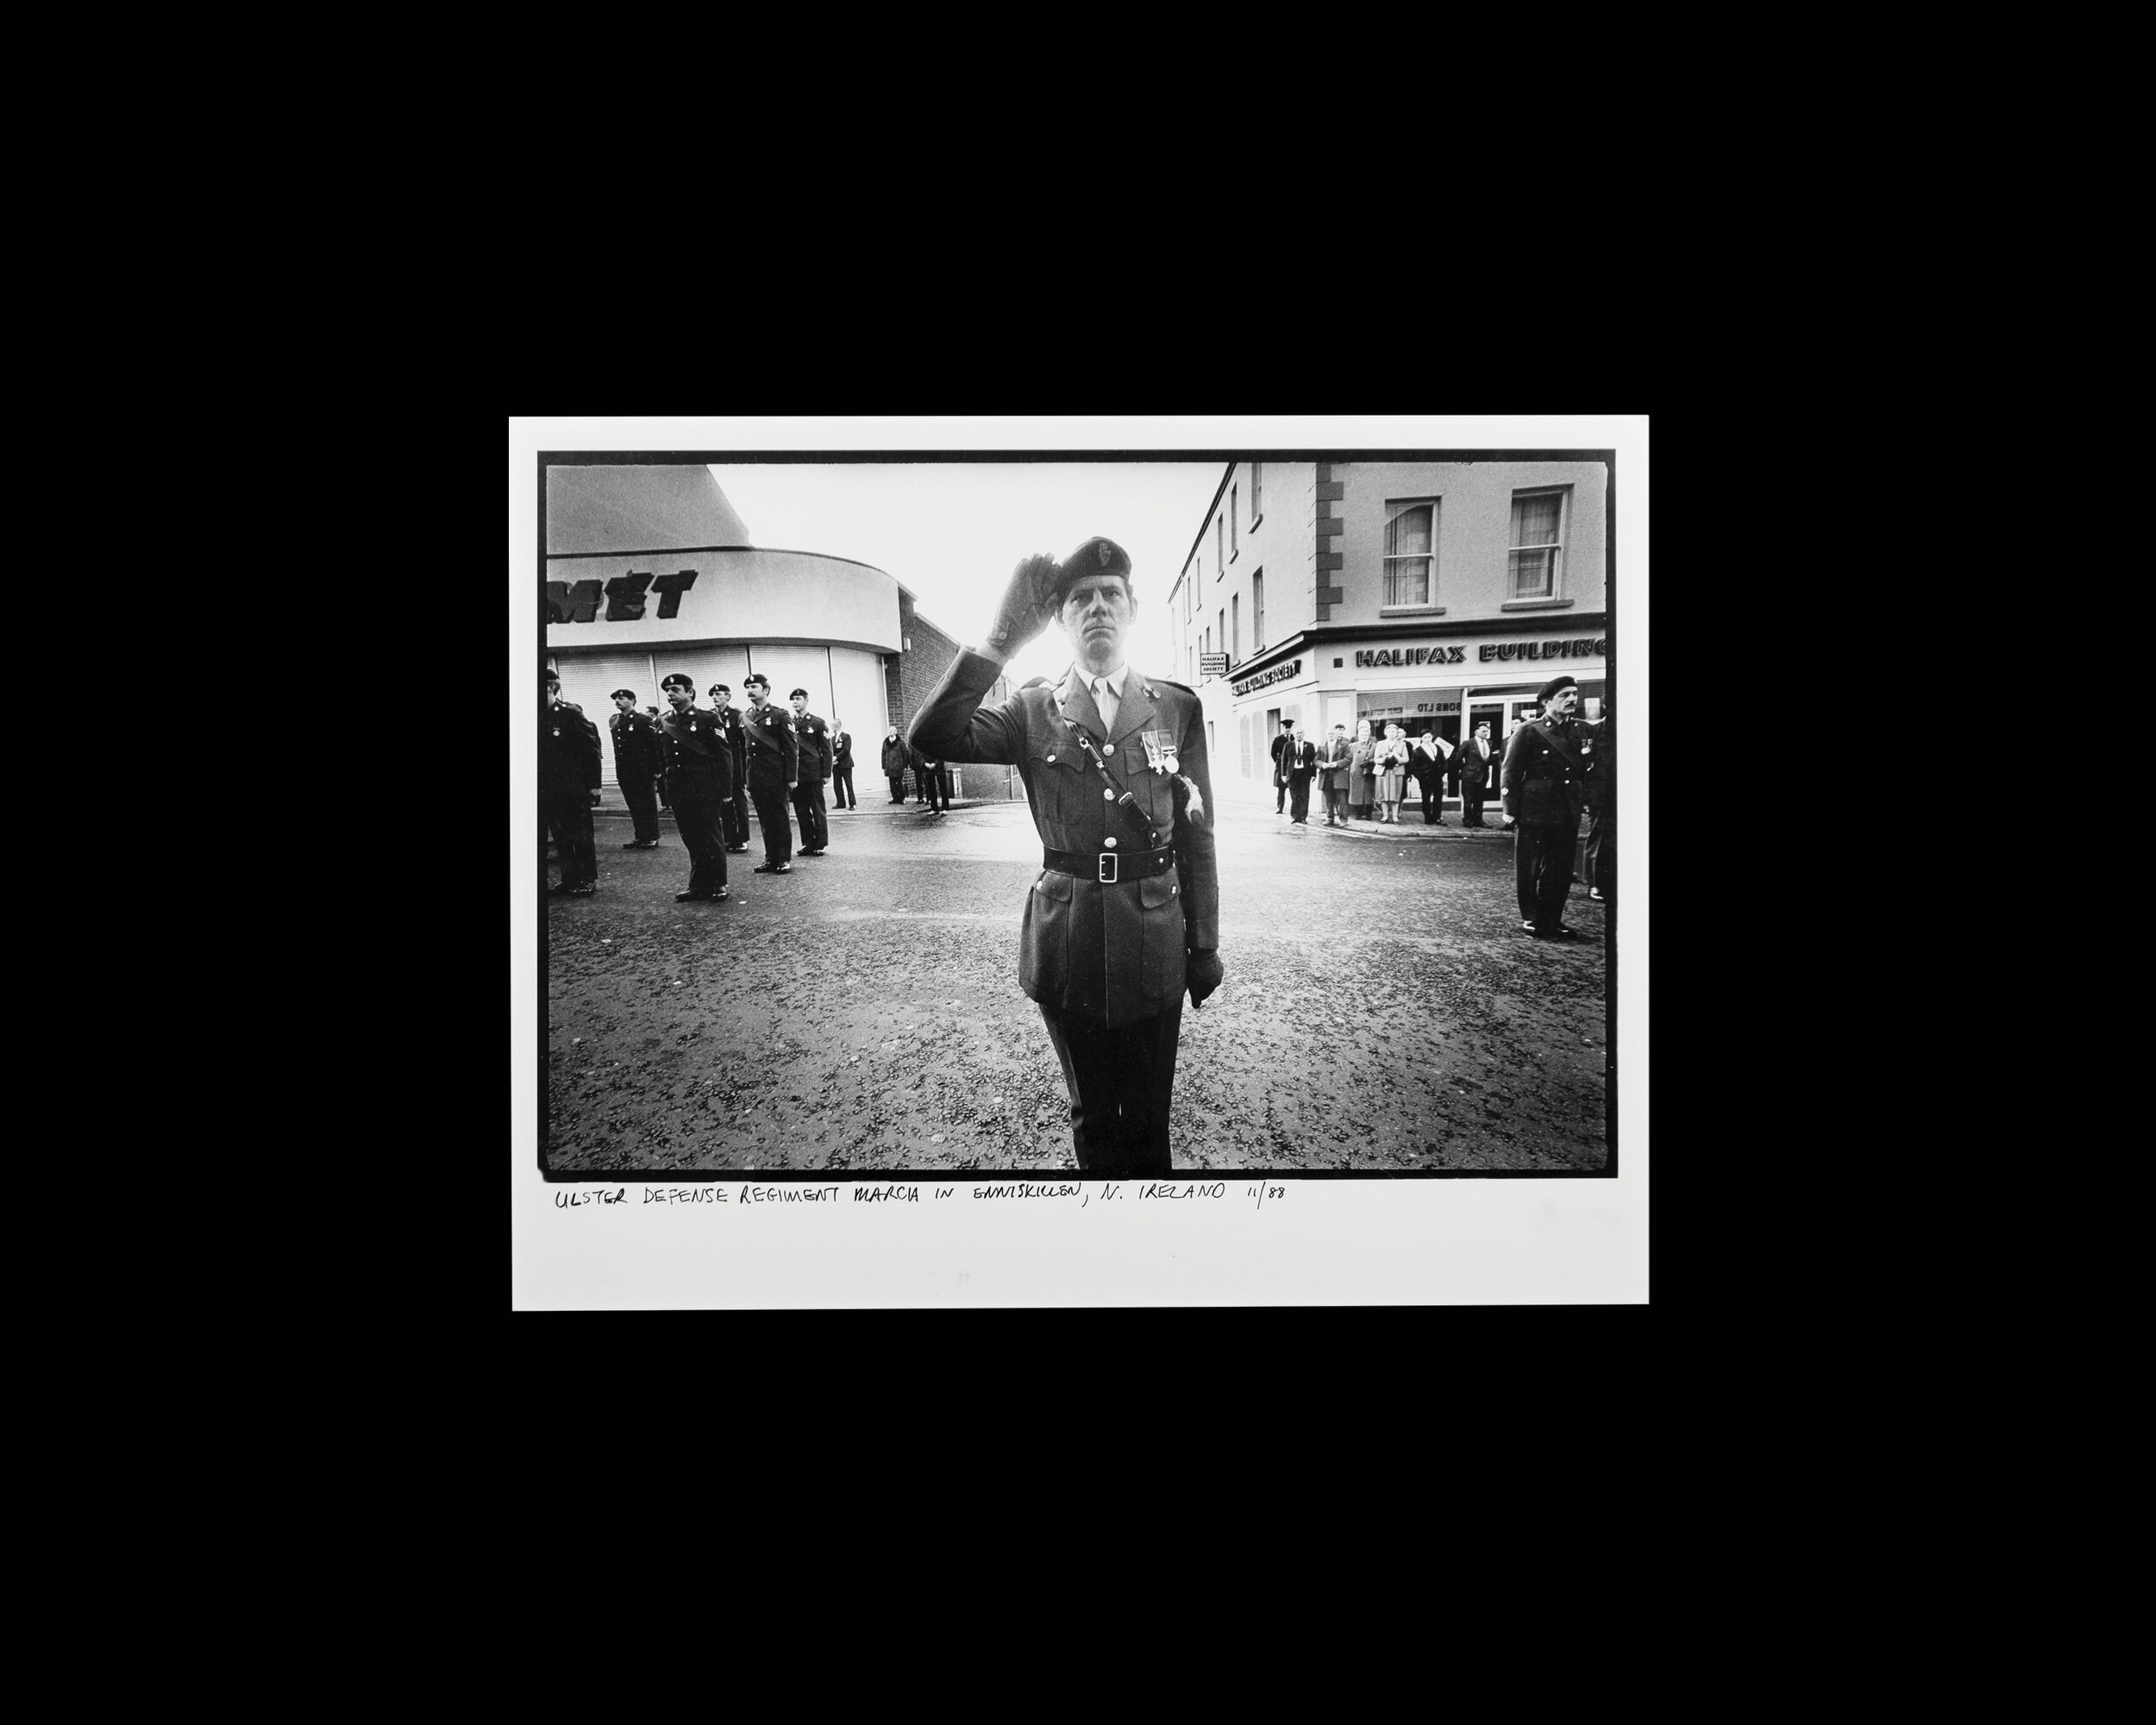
pixel 1543 780
pixel 733 813
pixel 1126 915
pixel 699 779
pixel 775 769
pixel 637 766
pixel 812 735
pixel 568 785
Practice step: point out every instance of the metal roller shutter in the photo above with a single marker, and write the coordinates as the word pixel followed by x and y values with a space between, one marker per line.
pixel 589 680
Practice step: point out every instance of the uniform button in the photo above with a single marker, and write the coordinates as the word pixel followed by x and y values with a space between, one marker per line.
pixel 1110 843
pixel 1052 755
pixel 1106 796
pixel 1107 748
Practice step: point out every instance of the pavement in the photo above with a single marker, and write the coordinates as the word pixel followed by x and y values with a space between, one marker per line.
pixel 1383 1011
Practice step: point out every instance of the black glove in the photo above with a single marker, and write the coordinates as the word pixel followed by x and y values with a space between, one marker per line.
pixel 1202 974
pixel 1028 607
pixel 594 799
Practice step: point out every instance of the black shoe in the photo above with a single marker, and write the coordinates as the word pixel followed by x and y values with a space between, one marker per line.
pixel 773 869
pixel 586 890
pixel 685 898
pixel 649 845
pixel 818 852
pixel 633 845
pixel 720 896
pixel 556 892
pixel 736 849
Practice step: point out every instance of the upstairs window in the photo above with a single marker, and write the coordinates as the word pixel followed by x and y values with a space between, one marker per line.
pixel 1235 550
pixel 1258 493
pixel 1257 610
pixel 1410 553
pixel 1535 563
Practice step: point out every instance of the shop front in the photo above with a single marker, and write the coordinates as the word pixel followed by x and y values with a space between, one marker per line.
pixel 1447 684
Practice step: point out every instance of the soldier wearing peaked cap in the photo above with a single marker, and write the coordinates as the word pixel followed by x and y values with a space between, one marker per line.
pixel 774 771
pixel 568 784
pixel 638 764
pixel 1126 916
pixel 699 779
pixel 1542 780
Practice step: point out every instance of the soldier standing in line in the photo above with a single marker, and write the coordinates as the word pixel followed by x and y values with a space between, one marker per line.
pixel 842 766
pixel 775 769
pixel 734 811
pixel 813 735
pixel 569 786
pixel 637 768
pixel 1126 915
pixel 699 779
pixel 1542 781
pixel 659 780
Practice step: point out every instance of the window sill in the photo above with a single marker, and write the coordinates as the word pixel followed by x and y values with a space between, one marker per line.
pixel 1412 610
pixel 1536 604
pixel 1236 553
pixel 1255 521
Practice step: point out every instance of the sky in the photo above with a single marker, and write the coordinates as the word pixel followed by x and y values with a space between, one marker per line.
pixel 952 532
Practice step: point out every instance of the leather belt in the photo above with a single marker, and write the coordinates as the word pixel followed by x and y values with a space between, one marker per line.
pixel 1110 868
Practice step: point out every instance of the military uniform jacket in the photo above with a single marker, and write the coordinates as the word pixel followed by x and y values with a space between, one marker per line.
pixel 568 752
pixel 774 757
pixel 700 764
pixel 1111 953
pixel 1543 774
pixel 637 757
pixel 736 735
pixel 813 737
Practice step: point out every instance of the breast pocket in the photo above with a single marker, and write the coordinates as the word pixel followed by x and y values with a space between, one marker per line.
pixel 1052 782
pixel 1044 942
pixel 1160 937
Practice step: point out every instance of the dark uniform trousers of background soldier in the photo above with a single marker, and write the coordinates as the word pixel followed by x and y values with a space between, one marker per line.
pixel 813 737
pixel 1541 783
pixel 734 811
pixel 1601 809
pixel 637 768
pixel 1282 744
pixel 928 780
pixel 1104 962
pixel 843 770
pixel 773 758
pixel 699 781
pixel 568 774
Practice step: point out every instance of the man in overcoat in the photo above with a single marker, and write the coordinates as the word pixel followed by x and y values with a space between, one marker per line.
pixel 1474 758
pixel 1125 915
pixel 812 735
pixel 1282 744
pixel 1543 781
pixel 1333 765
pixel 894 754
pixel 699 780
pixel 775 771
pixel 733 813
pixel 1299 758
pixel 637 768
pixel 568 785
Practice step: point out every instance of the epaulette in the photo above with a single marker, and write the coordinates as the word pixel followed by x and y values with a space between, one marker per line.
pixel 1170 683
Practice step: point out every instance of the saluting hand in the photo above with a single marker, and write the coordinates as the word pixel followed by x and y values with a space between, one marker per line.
pixel 1028 607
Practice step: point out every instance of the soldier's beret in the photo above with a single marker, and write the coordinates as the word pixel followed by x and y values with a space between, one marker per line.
pixel 756 679
pixel 623 694
pixel 1097 556
pixel 548 674
pixel 677 681
pixel 802 692
pixel 1555 683
pixel 721 689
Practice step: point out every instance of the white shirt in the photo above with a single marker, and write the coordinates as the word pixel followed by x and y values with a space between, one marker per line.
pixel 1108 695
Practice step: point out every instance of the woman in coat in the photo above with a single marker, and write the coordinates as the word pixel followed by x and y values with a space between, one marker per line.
pixel 895 763
pixel 1360 788
pixel 1391 765
pixel 1427 761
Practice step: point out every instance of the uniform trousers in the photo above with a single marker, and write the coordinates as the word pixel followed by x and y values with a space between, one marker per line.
pixel 931 783
pixel 808 805
pixel 702 821
pixel 734 816
pixel 569 819
pixel 642 797
pixel 1280 795
pixel 1120 1082
pixel 843 787
pixel 778 831
pixel 1542 868
pixel 1602 852
pixel 1299 796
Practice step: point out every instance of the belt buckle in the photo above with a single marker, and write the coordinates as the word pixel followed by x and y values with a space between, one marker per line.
pixel 1108 873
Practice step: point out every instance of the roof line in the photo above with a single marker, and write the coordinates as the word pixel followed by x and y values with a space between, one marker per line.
pixel 677 550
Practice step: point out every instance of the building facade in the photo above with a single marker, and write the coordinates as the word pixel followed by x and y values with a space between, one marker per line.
pixel 1440 594
pixel 649 571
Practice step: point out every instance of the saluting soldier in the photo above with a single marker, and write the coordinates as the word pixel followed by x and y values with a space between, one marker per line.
pixel 1543 781
pixel 775 769
pixel 1126 915
pixel 568 785
pixel 637 768
pixel 699 779
pixel 734 811
pixel 814 738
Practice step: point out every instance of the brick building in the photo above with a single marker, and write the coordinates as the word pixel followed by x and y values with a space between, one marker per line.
pixel 925 654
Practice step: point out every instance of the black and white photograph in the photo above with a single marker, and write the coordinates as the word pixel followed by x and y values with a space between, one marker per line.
pixel 1002 818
